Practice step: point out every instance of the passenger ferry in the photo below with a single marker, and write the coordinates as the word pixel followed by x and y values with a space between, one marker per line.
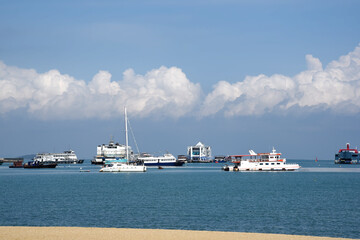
pixel 260 162
pixel 166 160
pixel 347 156
pixel 111 151
pixel 67 157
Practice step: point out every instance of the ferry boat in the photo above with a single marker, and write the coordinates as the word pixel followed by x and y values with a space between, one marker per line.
pixel 67 157
pixel 260 162
pixel 123 164
pixel 111 151
pixel 347 156
pixel 166 160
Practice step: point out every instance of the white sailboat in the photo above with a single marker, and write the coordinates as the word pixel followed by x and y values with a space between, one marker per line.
pixel 123 165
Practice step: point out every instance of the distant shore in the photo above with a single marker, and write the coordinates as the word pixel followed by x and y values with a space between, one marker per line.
pixel 83 233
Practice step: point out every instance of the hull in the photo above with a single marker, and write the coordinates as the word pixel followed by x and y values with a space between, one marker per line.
pixel 257 167
pixel 178 163
pixel 236 169
pixel 123 168
pixel 346 161
pixel 165 160
pixel 51 165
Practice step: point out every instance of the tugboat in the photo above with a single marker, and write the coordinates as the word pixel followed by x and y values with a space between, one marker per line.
pixel 17 164
pixel 260 162
pixel 347 156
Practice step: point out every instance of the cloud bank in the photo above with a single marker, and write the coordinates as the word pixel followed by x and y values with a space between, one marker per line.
pixel 337 87
pixel 167 92
pixel 162 92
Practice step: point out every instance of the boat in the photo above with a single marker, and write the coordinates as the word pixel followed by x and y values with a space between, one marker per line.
pixel 67 157
pixel 165 160
pixel 260 162
pixel 123 165
pixel 111 151
pixel 347 156
pixel 17 164
pixel 36 164
pixel 220 159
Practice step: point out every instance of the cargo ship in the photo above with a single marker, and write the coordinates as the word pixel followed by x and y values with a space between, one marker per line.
pixel 347 156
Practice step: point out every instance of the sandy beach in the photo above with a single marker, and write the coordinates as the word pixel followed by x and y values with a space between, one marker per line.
pixel 79 233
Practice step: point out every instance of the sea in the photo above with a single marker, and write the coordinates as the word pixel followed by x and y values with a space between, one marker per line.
pixel 320 199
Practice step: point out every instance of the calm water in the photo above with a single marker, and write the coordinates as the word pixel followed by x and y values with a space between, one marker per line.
pixel 321 199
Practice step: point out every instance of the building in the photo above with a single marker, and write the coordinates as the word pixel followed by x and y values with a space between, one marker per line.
pixel 199 153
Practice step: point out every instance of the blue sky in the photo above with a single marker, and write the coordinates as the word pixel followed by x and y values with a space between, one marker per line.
pixel 236 75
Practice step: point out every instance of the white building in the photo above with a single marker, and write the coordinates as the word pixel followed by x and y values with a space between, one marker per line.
pixel 199 153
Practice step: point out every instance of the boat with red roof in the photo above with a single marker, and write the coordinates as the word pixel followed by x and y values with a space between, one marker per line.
pixel 260 162
pixel 347 156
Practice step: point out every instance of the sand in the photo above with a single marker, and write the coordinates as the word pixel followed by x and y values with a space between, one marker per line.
pixel 78 233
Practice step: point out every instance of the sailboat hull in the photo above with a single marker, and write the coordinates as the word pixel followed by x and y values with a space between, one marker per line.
pixel 123 168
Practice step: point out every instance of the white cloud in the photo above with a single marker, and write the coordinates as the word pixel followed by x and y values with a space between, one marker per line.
pixel 161 92
pixel 336 87
pixel 166 92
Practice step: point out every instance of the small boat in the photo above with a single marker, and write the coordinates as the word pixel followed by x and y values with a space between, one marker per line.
pixel 260 162
pixel 36 164
pixel 17 164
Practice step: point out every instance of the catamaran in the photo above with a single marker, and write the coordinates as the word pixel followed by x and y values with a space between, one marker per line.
pixel 123 165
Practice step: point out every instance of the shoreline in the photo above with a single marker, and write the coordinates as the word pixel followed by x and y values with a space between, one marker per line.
pixel 88 233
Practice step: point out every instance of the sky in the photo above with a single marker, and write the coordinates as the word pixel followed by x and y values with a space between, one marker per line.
pixel 234 75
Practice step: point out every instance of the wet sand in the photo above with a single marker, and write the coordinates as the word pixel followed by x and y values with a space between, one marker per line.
pixel 79 233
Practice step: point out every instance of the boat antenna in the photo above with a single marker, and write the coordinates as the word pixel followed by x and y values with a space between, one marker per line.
pixel 133 136
pixel 126 135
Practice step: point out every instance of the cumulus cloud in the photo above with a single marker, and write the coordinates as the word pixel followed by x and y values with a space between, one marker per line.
pixel 337 87
pixel 167 92
pixel 162 92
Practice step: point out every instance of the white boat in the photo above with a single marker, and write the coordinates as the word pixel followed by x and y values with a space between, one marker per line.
pixel 67 157
pixel 165 160
pixel 123 165
pixel 260 162
pixel 111 151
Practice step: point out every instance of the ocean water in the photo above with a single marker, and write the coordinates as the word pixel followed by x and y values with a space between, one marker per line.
pixel 321 199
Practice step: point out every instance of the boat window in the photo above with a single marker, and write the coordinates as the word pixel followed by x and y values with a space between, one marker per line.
pixel 272 163
pixel 261 164
pixel 278 163
pixel 266 163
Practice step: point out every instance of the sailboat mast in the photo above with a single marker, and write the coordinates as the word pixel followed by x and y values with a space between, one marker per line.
pixel 126 135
